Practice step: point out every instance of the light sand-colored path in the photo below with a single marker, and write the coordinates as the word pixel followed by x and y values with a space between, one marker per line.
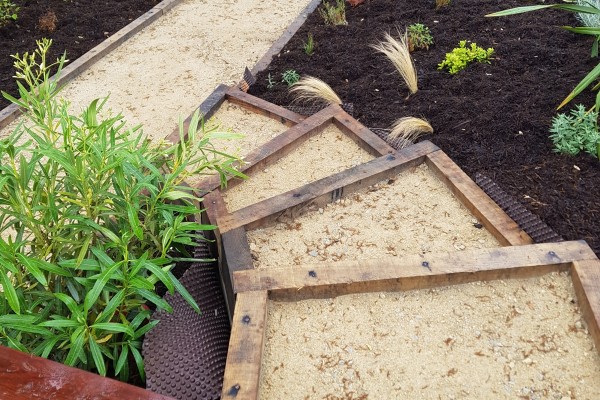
pixel 166 70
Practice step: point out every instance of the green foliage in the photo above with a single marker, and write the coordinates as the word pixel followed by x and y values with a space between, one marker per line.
pixel 593 10
pixel 441 3
pixel 92 217
pixel 461 56
pixel 419 37
pixel 290 77
pixel 587 19
pixel 334 14
pixel 578 131
pixel 309 45
pixel 9 11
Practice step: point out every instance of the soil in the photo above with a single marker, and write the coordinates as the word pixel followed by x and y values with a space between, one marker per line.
pixel 501 339
pixel 80 25
pixel 492 119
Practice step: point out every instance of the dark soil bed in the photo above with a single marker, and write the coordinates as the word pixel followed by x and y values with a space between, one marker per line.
pixel 80 25
pixel 492 119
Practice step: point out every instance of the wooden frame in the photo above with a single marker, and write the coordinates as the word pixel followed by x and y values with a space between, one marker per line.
pixel 242 372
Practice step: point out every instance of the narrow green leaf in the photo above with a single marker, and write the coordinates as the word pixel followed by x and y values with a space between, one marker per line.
pixel 139 361
pixel 155 299
pixel 134 222
pixel 76 346
pixel 114 327
pixel 178 194
pixel 585 82
pixel 92 296
pixel 97 356
pixel 30 328
pixel 145 329
pixel 71 305
pixel 185 294
pixel 9 319
pixel 160 274
pixel 122 359
pixel 10 293
pixel 60 323
pixel 111 307
pixel 32 268
pixel 583 30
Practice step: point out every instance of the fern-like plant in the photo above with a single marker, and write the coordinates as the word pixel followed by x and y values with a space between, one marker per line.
pixel 571 133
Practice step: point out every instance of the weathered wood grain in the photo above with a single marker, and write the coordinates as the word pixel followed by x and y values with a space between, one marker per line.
pixel 418 271
pixel 242 371
pixel 263 107
pixel 586 279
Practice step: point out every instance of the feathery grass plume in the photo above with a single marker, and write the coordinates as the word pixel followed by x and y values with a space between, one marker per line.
pixel 399 54
pixel 313 89
pixel 409 129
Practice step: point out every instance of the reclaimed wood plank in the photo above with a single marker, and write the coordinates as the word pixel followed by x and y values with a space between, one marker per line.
pixel 327 189
pixel 235 256
pixel 419 271
pixel 366 139
pixel 25 377
pixel 263 107
pixel 504 229
pixel 242 370
pixel 586 279
pixel 206 109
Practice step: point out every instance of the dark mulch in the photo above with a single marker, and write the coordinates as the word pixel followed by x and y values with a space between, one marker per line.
pixel 80 25
pixel 492 119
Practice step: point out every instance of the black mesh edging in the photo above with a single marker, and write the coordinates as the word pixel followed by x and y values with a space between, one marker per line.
pixel 309 110
pixel 185 353
pixel 539 231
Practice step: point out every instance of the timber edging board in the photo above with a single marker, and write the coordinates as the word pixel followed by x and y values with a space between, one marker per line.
pixel 25 377
pixel 73 69
pixel 242 372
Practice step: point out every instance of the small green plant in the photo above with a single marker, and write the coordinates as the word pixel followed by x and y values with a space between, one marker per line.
pixel 9 12
pixel 441 3
pixel 92 216
pixel 334 14
pixel 270 82
pixel 290 77
pixel 578 131
pixel 419 37
pixel 461 56
pixel 309 45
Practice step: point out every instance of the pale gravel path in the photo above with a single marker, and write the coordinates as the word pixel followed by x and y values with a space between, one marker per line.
pixel 165 71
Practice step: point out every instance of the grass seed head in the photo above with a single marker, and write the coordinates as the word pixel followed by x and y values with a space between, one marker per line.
pixel 311 89
pixel 399 54
pixel 409 129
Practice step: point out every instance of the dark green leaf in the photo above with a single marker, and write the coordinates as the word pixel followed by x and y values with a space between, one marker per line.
pixel 92 296
pixel 10 293
pixel 114 327
pixel 97 356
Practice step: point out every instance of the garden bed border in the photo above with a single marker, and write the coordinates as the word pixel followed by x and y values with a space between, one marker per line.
pixel 255 288
pixel 72 70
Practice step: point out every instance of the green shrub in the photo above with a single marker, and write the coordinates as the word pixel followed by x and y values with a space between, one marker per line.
pixel 578 131
pixel 309 45
pixel 334 14
pixel 92 217
pixel 9 12
pixel 461 56
pixel 290 77
pixel 419 37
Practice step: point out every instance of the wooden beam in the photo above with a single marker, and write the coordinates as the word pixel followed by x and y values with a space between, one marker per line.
pixel 206 109
pixel 242 371
pixel 504 229
pixel 362 135
pixel 25 377
pixel 586 279
pixel 235 256
pixel 327 189
pixel 263 107
pixel 418 271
